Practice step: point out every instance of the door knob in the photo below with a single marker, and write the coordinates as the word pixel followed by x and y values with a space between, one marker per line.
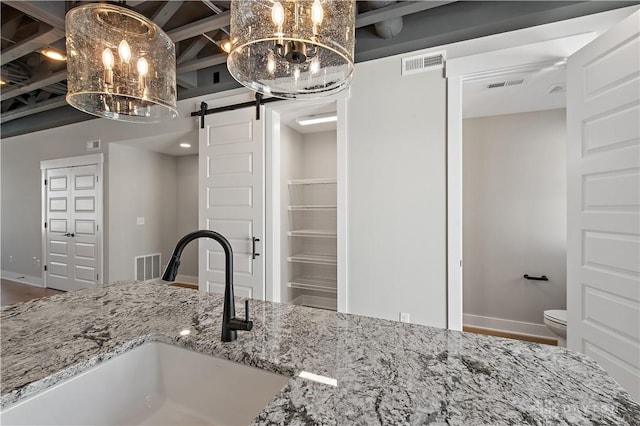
pixel 254 240
pixel 69 234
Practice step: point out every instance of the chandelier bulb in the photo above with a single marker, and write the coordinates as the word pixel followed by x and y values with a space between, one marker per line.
pixel 277 13
pixel 107 58
pixel 124 51
pixel 317 13
pixel 107 61
pixel 143 67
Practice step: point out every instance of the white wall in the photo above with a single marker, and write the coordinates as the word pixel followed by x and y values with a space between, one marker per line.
pixel 319 155
pixel 187 214
pixel 514 217
pixel 20 168
pixel 397 193
pixel 290 168
pixel 21 196
pixel 143 184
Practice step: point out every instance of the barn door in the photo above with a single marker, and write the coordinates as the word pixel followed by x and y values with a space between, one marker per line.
pixel 232 200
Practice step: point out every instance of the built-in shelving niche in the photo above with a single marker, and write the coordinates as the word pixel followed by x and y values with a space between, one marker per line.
pixel 310 229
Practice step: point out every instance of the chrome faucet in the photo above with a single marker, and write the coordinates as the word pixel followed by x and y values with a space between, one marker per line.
pixel 230 324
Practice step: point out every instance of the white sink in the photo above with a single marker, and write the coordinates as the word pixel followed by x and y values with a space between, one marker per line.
pixel 154 384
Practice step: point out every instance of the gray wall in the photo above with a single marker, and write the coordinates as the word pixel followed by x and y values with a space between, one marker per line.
pixel 20 170
pixel 143 184
pixel 187 214
pixel 397 193
pixel 514 214
pixel 21 194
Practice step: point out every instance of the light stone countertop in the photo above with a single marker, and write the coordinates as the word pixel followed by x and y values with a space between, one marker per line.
pixel 388 372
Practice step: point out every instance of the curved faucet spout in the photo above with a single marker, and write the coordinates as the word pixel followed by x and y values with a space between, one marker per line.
pixel 230 324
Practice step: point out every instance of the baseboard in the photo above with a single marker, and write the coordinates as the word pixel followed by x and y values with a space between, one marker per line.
pixel 186 279
pixel 24 279
pixel 508 326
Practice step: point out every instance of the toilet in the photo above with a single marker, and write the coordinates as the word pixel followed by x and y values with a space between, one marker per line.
pixel 556 320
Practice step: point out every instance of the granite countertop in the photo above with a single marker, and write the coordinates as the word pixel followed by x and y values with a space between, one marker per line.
pixel 387 372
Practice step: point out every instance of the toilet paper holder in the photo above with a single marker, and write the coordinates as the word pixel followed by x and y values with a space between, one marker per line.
pixel 541 278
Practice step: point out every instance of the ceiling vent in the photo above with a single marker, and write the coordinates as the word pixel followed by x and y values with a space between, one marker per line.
pixel 422 63
pixel 505 83
pixel 93 145
pixel 557 88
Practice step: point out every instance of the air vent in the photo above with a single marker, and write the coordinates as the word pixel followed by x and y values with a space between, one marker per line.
pixel 93 145
pixel 422 63
pixel 504 84
pixel 557 88
pixel 147 267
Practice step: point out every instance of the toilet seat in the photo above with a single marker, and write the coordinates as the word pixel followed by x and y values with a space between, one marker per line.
pixel 557 317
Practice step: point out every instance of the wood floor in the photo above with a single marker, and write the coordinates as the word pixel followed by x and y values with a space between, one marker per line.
pixel 489 332
pixel 12 292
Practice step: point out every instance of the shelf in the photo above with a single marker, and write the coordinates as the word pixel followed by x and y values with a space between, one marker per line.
pixel 316 259
pixel 313 207
pixel 313 181
pixel 327 303
pixel 312 233
pixel 326 285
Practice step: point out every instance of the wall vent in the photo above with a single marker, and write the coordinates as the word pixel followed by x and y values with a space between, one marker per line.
pixel 422 63
pixel 147 267
pixel 93 145
pixel 505 83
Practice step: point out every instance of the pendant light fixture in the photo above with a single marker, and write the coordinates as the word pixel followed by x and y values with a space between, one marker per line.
pixel 120 65
pixel 292 48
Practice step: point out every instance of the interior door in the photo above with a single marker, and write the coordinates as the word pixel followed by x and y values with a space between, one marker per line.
pixel 603 256
pixel 72 255
pixel 232 200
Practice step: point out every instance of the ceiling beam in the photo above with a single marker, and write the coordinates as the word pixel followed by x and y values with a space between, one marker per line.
pixel 36 108
pixel 199 64
pixel 192 50
pixel 395 10
pixel 166 11
pixel 34 85
pixel 49 12
pixel 202 26
pixel 43 38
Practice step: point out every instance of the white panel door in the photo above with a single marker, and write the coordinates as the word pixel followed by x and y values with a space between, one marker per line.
pixel 603 253
pixel 232 200
pixel 72 220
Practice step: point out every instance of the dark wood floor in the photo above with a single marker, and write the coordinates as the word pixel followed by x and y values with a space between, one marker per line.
pixel 535 339
pixel 12 292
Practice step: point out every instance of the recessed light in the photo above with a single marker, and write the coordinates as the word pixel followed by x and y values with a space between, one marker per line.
pixel 53 54
pixel 316 119
pixel 185 145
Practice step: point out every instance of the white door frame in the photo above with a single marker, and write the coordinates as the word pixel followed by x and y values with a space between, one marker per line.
pixel 273 256
pixel 458 71
pixel 82 160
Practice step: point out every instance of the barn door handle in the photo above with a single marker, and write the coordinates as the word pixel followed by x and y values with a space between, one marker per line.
pixel 542 278
pixel 254 240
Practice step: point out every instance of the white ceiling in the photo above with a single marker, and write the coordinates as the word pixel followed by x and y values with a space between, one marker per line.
pixel 288 117
pixel 532 95
pixel 168 144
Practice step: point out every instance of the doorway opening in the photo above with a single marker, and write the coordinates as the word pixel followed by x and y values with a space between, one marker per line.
pixel 305 205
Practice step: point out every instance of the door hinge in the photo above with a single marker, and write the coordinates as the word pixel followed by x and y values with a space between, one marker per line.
pixel 97 227
pixel 45 224
pixel 97 277
pixel 97 179
pixel 45 181
pixel 45 267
